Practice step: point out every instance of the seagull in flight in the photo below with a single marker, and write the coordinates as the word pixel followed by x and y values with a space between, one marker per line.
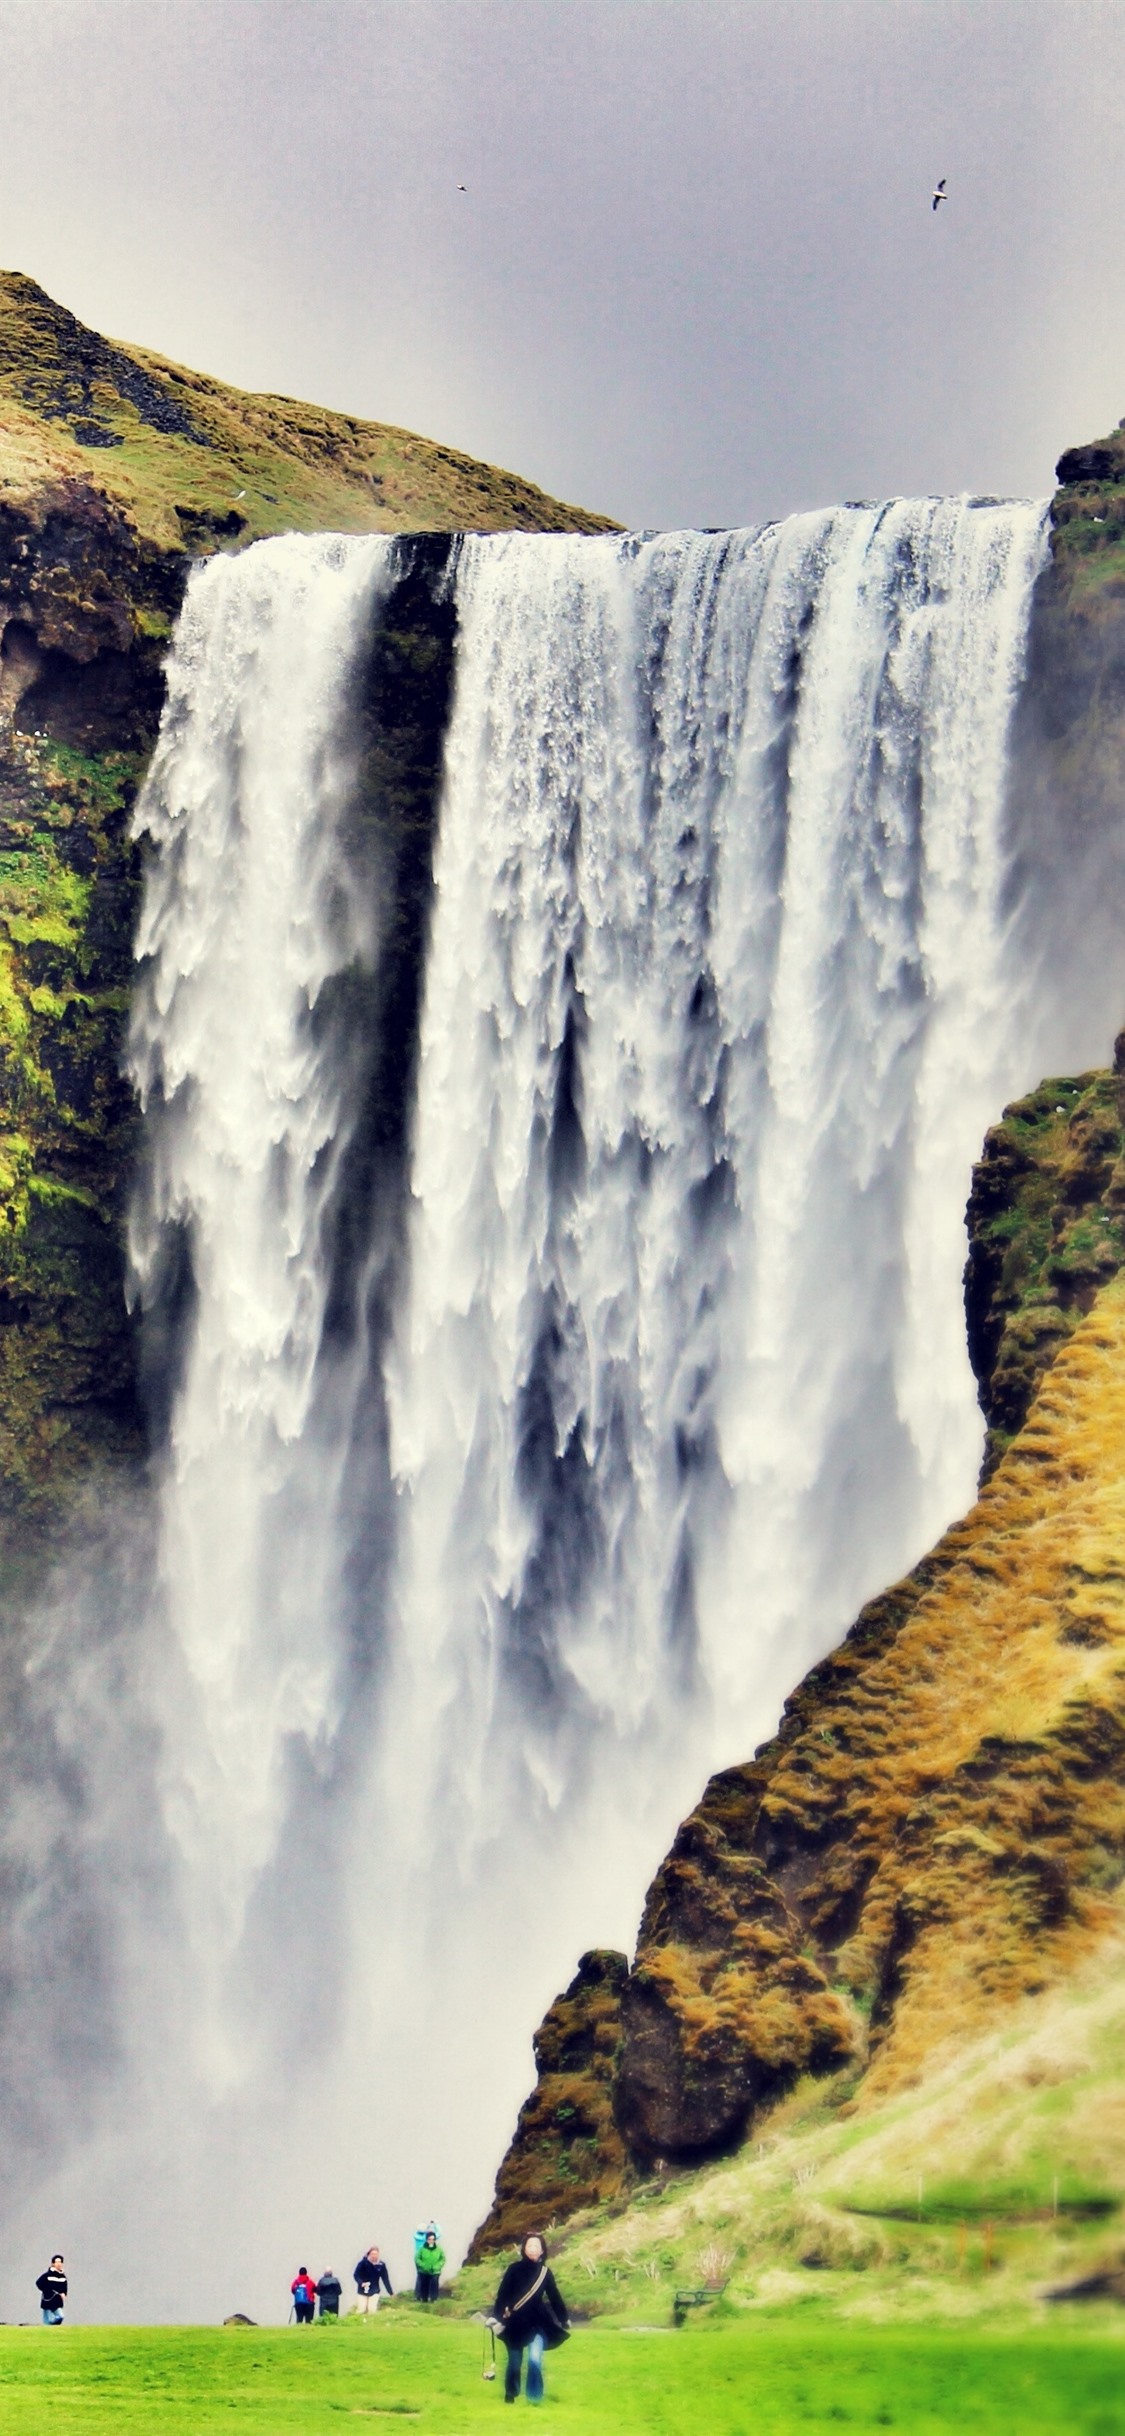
pixel 462 190
pixel 939 195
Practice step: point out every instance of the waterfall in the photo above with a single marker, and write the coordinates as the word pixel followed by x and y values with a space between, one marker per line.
pixel 721 990
pixel 717 1011
pixel 251 912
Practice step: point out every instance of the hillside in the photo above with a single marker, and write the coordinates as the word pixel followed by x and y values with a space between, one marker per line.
pixel 193 463
pixel 936 1835
pixel 971 2191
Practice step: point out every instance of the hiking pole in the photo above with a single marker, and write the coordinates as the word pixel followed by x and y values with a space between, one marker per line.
pixel 487 2336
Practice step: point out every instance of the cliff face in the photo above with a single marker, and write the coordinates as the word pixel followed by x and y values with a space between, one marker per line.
pixel 939 1824
pixel 1046 1223
pixel 567 2152
pixel 116 469
pixel 82 607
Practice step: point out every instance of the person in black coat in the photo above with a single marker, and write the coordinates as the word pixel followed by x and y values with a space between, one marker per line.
pixel 531 2316
pixel 370 2274
pixel 51 2287
pixel 328 2290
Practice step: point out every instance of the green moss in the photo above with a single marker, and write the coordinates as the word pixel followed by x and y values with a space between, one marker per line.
pixel 1047 1229
pixel 67 1395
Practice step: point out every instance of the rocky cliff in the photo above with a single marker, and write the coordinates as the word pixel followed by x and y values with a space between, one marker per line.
pixel 116 470
pixel 939 1824
pixel 1046 1227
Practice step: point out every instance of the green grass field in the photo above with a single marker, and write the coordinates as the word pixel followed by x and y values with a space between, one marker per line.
pixel 725 2381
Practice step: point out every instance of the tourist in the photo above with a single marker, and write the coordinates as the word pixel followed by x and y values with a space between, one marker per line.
pixel 429 2259
pixel 328 2292
pixel 51 2288
pixel 303 2290
pixel 369 2275
pixel 531 2316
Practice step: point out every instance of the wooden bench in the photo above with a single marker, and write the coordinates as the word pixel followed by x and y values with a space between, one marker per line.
pixel 695 2296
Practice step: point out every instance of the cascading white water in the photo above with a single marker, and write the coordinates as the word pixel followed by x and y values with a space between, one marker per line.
pixel 720 996
pixel 249 911
pixel 717 1011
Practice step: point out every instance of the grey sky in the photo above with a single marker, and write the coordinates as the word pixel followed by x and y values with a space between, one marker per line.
pixel 695 277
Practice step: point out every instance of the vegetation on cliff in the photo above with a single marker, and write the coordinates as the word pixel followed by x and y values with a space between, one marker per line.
pixel 67 1361
pixel 1046 1221
pixel 567 2152
pixel 1088 519
pixel 971 2191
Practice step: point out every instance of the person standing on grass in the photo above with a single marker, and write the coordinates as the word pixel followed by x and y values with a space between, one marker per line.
pixel 531 2316
pixel 369 2275
pixel 303 2290
pixel 429 2261
pixel 51 2287
pixel 328 2290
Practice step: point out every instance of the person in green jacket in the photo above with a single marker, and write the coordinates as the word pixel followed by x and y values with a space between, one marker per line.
pixel 429 2262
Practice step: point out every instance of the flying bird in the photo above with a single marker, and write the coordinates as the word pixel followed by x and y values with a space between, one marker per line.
pixel 939 194
pixel 462 190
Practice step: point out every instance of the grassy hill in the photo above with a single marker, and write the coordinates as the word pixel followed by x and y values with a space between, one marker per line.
pixel 425 2367
pixel 194 463
pixel 988 2176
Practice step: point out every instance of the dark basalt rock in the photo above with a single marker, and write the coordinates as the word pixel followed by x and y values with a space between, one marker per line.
pixel 1101 461
pixel 80 696
pixel 725 2005
pixel 60 377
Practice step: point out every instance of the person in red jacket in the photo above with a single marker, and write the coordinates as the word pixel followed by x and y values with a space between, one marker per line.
pixel 303 2290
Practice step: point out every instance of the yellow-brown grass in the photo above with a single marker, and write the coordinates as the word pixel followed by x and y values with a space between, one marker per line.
pixel 258 464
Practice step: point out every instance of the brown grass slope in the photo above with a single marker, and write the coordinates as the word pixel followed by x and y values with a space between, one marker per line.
pixel 194 463
pixel 990 2182
pixel 938 1828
